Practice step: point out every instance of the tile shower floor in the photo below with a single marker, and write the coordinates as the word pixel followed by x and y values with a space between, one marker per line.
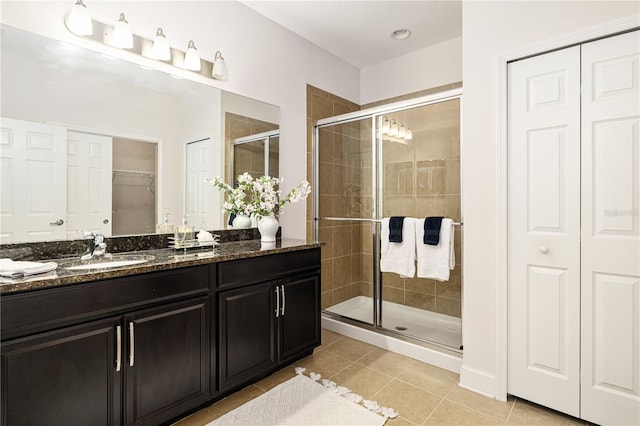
pixel 421 393
pixel 420 323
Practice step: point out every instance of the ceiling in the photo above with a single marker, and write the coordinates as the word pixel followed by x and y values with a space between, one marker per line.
pixel 359 32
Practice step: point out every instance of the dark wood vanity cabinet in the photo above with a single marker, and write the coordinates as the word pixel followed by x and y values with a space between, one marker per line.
pixel 266 324
pixel 146 349
pixel 135 367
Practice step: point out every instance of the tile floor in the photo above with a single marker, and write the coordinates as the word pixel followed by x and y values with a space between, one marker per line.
pixel 421 393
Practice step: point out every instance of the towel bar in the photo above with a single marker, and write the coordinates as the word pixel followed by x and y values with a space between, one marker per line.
pixel 358 219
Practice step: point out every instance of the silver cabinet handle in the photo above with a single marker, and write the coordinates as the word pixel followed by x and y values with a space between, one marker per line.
pixel 131 344
pixel 57 222
pixel 283 300
pixel 277 302
pixel 118 348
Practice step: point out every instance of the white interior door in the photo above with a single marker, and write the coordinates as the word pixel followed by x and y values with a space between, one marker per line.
pixel 198 197
pixel 611 231
pixel 33 174
pixel 544 230
pixel 89 166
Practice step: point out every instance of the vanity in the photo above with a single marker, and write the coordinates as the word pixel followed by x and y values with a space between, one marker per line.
pixel 151 342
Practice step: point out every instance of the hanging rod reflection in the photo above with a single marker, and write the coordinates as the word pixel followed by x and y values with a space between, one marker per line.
pixel 359 219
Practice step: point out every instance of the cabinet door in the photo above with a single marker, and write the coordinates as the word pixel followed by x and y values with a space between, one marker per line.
pixel 247 333
pixel 300 315
pixel 67 376
pixel 167 366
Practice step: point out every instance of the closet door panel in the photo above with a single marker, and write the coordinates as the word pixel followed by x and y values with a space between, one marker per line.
pixel 610 314
pixel 544 229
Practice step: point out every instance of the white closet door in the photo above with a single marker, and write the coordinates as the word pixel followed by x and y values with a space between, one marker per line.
pixel 611 231
pixel 544 230
pixel 89 177
pixel 198 192
pixel 33 178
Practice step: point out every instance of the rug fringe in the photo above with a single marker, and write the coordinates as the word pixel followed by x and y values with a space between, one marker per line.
pixel 345 392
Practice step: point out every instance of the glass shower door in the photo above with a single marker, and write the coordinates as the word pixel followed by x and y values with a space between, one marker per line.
pixel 345 182
pixel 420 175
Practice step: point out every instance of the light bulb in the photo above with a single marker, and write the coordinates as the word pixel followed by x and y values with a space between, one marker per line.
pixel 192 57
pixel 122 36
pixel 79 20
pixel 385 125
pixel 160 49
pixel 219 71
pixel 393 131
pixel 409 135
pixel 402 131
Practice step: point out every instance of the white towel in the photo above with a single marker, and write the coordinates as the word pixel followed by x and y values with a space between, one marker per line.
pixel 435 262
pixel 12 269
pixel 399 257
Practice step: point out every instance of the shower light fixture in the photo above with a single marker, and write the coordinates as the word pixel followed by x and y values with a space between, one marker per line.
pixel 219 69
pixel 122 36
pixel 385 125
pixel 160 49
pixel 192 57
pixel 79 19
pixel 395 130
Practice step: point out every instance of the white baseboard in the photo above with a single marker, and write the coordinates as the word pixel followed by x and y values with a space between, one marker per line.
pixel 448 361
pixel 478 381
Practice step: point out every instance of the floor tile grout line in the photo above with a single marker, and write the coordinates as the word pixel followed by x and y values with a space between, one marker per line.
pixel 513 406
pixel 433 411
pixel 478 411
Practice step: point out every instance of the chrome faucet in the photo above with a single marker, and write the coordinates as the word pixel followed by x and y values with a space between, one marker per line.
pixel 97 246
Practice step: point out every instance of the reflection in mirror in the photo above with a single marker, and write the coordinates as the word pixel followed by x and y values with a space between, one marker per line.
pixel 256 155
pixel 90 142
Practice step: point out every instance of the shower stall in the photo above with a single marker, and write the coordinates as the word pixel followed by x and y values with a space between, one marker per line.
pixel 402 159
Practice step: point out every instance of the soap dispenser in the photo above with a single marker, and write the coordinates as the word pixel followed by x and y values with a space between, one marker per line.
pixel 165 227
pixel 184 233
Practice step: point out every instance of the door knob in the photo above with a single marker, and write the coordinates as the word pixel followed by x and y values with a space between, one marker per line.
pixel 105 221
pixel 543 249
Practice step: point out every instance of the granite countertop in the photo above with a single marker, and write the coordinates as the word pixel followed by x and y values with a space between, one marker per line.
pixel 164 259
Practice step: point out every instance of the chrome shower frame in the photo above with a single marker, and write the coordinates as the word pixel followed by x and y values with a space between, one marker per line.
pixel 377 168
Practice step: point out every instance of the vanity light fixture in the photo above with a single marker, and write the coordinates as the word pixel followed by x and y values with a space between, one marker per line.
pixel 160 49
pixel 79 23
pixel 122 36
pixel 192 57
pixel 79 19
pixel 402 131
pixel 409 135
pixel 219 69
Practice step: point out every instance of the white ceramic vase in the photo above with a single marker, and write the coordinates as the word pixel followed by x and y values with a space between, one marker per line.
pixel 241 222
pixel 268 227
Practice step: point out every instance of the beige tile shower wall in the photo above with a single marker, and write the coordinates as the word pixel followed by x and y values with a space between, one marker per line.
pixel 340 194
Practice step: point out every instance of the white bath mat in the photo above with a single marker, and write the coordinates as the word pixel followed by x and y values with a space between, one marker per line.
pixel 303 401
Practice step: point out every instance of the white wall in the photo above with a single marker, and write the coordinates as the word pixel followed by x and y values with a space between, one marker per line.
pixel 426 68
pixel 489 29
pixel 265 61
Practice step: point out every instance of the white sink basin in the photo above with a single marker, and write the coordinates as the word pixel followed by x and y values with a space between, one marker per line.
pixel 109 263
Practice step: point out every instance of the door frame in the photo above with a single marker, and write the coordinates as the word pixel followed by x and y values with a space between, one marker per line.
pixel 578 37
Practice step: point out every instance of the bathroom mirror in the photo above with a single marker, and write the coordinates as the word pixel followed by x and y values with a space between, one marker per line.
pixel 137 142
